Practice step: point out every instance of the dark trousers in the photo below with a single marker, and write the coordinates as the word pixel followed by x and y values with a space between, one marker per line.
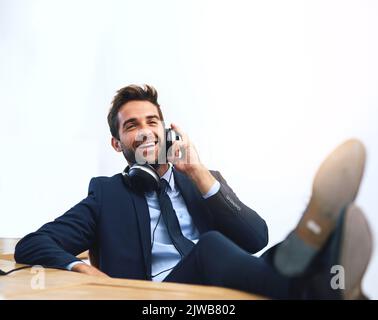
pixel 216 260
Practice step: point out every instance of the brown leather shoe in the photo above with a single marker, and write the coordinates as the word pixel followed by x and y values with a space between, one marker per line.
pixel 335 186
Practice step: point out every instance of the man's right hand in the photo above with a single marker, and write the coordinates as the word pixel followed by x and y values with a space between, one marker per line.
pixel 87 269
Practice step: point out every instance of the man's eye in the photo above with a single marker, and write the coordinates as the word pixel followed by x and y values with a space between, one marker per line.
pixel 130 126
pixel 153 122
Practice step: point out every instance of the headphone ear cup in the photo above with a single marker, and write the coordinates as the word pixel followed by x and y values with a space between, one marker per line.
pixel 126 178
pixel 141 178
pixel 170 137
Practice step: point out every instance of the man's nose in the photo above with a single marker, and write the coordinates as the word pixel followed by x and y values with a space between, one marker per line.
pixel 145 134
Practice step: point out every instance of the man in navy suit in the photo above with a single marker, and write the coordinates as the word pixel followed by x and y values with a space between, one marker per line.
pixel 127 237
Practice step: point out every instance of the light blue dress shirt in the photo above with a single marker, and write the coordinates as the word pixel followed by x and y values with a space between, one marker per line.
pixel 164 255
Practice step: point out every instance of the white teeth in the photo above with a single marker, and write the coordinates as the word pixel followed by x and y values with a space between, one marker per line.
pixel 147 145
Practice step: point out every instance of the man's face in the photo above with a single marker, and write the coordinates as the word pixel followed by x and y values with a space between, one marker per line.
pixel 141 132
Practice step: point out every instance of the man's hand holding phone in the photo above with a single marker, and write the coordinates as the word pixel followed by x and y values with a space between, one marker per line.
pixel 188 162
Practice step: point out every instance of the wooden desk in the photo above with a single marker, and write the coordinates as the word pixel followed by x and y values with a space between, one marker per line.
pixel 60 284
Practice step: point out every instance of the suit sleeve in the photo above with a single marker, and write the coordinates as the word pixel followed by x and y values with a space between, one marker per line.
pixel 235 220
pixel 57 243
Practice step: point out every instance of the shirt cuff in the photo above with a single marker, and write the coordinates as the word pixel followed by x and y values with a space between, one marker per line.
pixel 72 264
pixel 213 190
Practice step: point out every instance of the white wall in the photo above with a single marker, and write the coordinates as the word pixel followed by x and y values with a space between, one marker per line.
pixel 284 81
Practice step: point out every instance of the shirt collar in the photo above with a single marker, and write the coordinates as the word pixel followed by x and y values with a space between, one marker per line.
pixel 169 177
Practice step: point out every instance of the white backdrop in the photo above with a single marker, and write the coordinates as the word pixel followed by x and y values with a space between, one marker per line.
pixel 283 81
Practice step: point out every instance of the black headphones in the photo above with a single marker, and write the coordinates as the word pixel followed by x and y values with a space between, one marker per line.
pixel 144 177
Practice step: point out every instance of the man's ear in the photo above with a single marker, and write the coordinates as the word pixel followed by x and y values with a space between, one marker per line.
pixel 116 144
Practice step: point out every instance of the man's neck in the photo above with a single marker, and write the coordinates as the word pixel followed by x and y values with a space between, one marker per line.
pixel 163 168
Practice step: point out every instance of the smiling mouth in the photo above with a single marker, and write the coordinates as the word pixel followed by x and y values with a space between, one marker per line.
pixel 147 145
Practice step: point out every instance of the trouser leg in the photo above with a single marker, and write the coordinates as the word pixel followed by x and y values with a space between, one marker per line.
pixel 215 260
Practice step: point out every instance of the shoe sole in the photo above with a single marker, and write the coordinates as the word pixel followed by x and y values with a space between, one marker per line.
pixel 356 251
pixel 335 186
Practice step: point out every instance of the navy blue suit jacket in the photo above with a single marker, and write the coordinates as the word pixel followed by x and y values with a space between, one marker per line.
pixel 114 222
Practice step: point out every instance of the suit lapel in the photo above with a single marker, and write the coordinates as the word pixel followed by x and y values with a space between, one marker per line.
pixel 144 224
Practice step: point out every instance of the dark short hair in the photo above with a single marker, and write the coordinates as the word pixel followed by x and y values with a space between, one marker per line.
pixel 130 93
